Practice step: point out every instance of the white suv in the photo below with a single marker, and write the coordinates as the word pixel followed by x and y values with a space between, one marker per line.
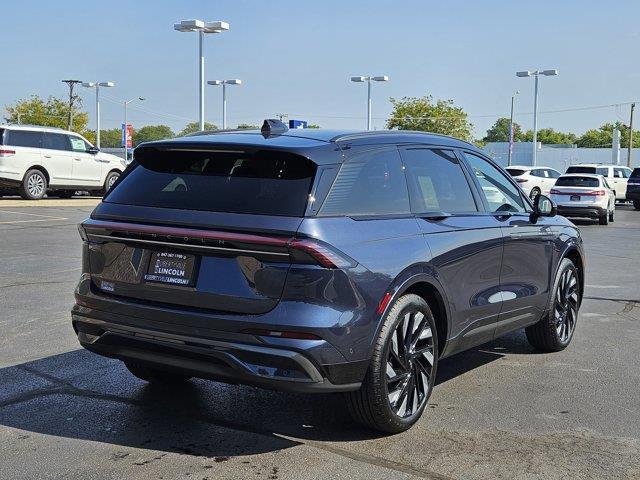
pixel 617 176
pixel 534 180
pixel 36 160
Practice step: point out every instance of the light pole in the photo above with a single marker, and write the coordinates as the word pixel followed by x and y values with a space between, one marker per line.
pixel 125 133
pixel 381 78
pixel 536 74
pixel 201 27
pixel 511 128
pixel 224 84
pixel 97 86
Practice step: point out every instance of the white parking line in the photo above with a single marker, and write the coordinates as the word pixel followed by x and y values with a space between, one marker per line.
pixel 45 218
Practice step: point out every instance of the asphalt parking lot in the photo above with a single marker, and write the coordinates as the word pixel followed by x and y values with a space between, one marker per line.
pixel 499 411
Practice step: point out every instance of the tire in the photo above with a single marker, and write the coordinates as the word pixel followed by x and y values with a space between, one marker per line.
pixel 636 204
pixel 34 185
pixel 612 216
pixel 155 375
pixel 109 181
pixel 64 193
pixel 604 219
pixel 554 332
pixel 535 191
pixel 373 405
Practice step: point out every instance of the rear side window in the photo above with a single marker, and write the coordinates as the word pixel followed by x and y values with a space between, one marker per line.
pixel 621 172
pixel 577 182
pixel 437 182
pixel 23 138
pixel 56 141
pixel 260 182
pixel 516 172
pixel 604 171
pixel 372 183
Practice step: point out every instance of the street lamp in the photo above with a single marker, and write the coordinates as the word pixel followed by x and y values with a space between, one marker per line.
pixel 125 133
pixel 511 133
pixel 382 78
pixel 201 27
pixel 97 86
pixel 224 84
pixel 536 74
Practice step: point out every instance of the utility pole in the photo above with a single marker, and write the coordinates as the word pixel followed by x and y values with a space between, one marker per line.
pixel 72 99
pixel 633 107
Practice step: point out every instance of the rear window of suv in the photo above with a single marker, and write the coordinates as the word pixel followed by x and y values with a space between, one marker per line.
pixel 514 172
pixel 577 182
pixel 261 182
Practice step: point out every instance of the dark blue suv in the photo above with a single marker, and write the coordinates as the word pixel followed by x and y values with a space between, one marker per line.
pixel 321 261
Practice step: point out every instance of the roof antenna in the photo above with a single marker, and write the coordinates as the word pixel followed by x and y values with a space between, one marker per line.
pixel 273 127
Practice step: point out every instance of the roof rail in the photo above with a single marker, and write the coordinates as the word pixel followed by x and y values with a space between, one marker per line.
pixel 372 133
pixel 32 126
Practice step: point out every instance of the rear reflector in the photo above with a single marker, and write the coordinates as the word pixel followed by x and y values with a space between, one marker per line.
pixel 263 332
pixel 383 303
pixel 6 153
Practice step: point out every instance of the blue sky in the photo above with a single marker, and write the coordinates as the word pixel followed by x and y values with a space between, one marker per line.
pixel 296 57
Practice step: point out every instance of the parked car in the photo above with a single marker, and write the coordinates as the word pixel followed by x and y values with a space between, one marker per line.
pixel 616 176
pixel 534 180
pixel 321 261
pixel 633 188
pixel 36 160
pixel 585 195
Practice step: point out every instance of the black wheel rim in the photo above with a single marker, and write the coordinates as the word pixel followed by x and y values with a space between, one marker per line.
pixel 409 364
pixel 565 306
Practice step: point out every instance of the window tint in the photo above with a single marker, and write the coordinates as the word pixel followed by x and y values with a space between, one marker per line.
pixel 635 173
pixel 370 184
pixel 537 172
pixel 620 172
pixel 553 173
pixel 78 144
pixel 23 138
pixel 579 169
pixel 436 181
pixel 577 182
pixel 516 172
pixel 1 136
pixel 259 182
pixel 499 192
pixel 604 171
pixel 56 141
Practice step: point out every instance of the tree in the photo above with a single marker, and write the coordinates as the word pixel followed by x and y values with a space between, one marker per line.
pixel 603 136
pixel 550 136
pixel 500 131
pixel 110 138
pixel 312 125
pixel 194 127
pixel 150 133
pixel 247 126
pixel 52 112
pixel 421 113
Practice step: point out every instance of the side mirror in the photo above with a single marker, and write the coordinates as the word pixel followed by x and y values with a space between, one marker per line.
pixel 544 206
pixel 93 150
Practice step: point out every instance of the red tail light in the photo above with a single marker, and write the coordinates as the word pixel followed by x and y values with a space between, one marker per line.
pixel 324 255
pixel 553 191
pixel 594 192
pixel 6 152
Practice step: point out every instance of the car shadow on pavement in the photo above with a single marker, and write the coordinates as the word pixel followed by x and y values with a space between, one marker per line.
pixel 79 395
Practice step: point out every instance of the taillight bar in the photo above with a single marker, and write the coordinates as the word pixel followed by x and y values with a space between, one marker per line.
pixel 5 152
pixel 581 193
pixel 303 250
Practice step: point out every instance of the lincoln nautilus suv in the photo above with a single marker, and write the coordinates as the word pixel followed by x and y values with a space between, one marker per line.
pixel 321 261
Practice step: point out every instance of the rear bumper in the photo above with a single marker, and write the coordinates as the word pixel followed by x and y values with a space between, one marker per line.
pixel 212 346
pixel 581 211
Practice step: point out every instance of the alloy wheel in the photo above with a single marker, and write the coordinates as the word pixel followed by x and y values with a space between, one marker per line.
pixel 35 185
pixel 410 364
pixel 111 181
pixel 565 306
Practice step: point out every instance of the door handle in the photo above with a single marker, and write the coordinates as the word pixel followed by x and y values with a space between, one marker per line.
pixel 47 156
pixel 77 159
